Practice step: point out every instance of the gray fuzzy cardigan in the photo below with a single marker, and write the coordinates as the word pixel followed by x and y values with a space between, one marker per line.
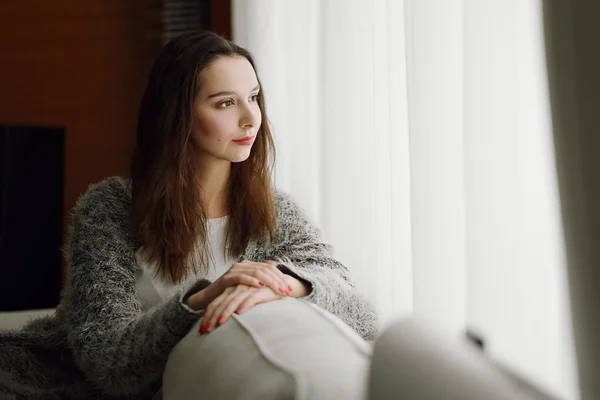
pixel 100 344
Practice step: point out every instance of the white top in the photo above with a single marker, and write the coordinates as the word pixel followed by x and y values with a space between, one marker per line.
pixel 151 291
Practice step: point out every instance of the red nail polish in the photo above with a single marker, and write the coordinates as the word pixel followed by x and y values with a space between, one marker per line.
pixel 261 283
pixel 201 329
pixel 290 287
pixel 209 327
pixel 220 320
pixel 239 310
pixel 281 290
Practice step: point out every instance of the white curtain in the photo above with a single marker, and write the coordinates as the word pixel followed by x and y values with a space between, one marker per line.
pixel 335 89
pixel 417 135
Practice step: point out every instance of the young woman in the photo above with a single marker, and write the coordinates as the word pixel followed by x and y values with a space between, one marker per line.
pixel 196 233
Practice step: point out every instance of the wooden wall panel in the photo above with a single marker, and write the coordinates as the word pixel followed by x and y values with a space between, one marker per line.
pixel 220 17
pixel 82 65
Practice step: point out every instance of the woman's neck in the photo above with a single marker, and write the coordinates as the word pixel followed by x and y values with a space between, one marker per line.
pixel 213 179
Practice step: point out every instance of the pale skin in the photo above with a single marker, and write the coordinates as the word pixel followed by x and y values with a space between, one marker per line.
pixel 226 110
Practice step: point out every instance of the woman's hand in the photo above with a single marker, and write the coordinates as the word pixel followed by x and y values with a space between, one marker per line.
pixel 248 273
pixel 242 298
pixel 234 299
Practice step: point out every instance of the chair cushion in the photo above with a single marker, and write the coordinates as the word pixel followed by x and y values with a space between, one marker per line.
pixel 440 367
pixel 285 349
pixel 10 320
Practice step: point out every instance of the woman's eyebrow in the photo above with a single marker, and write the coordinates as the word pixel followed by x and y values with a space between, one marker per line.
pixel 229 93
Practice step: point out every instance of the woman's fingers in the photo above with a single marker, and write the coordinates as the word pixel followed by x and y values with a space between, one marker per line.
pixel 205 325
pixel 249 276
pixel 266 273
pixel 229 305
pixel 244 277
pixel 280 286
pixel 240 300
pixel 281 275
pixel 257 297
pixel 270 269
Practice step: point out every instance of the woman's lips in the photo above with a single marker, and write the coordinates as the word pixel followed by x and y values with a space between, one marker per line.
pixel 245 140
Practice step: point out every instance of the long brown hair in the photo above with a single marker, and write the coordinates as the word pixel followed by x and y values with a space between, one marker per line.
pixel 168 213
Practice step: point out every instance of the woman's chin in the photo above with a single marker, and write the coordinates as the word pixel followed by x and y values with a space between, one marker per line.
pixel 237 158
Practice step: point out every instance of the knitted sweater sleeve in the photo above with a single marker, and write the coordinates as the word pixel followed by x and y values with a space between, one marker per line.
pixel 300 252
pixel 121 349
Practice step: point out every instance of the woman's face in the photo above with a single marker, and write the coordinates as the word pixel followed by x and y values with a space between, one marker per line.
pixel 226 116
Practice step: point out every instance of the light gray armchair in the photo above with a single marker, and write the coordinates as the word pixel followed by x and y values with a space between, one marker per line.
pixel 409 360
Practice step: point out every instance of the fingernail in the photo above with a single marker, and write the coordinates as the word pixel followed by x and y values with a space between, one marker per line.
pixel 281 290
pixel 290 287
pixel 261 283
pixel 239 310
pixel 209 327
pixel 220 320
pixel 201 329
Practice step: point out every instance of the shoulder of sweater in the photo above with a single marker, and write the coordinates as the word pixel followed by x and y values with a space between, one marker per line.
pixel 291 216
pixel 287 208
pixel 113 188
pixel 284 202
pixel 114 185
pixel 111 195
pixel 102 211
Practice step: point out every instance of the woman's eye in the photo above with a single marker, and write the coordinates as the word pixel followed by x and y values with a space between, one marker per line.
pixel 254 97
pixel 225 104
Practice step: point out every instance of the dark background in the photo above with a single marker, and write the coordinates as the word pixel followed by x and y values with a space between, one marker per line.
pixel 80 66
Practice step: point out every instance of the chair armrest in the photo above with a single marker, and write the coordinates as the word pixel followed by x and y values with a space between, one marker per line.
pixel 10 320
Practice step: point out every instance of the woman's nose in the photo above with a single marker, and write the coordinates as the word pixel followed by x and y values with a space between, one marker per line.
pixel 248 117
